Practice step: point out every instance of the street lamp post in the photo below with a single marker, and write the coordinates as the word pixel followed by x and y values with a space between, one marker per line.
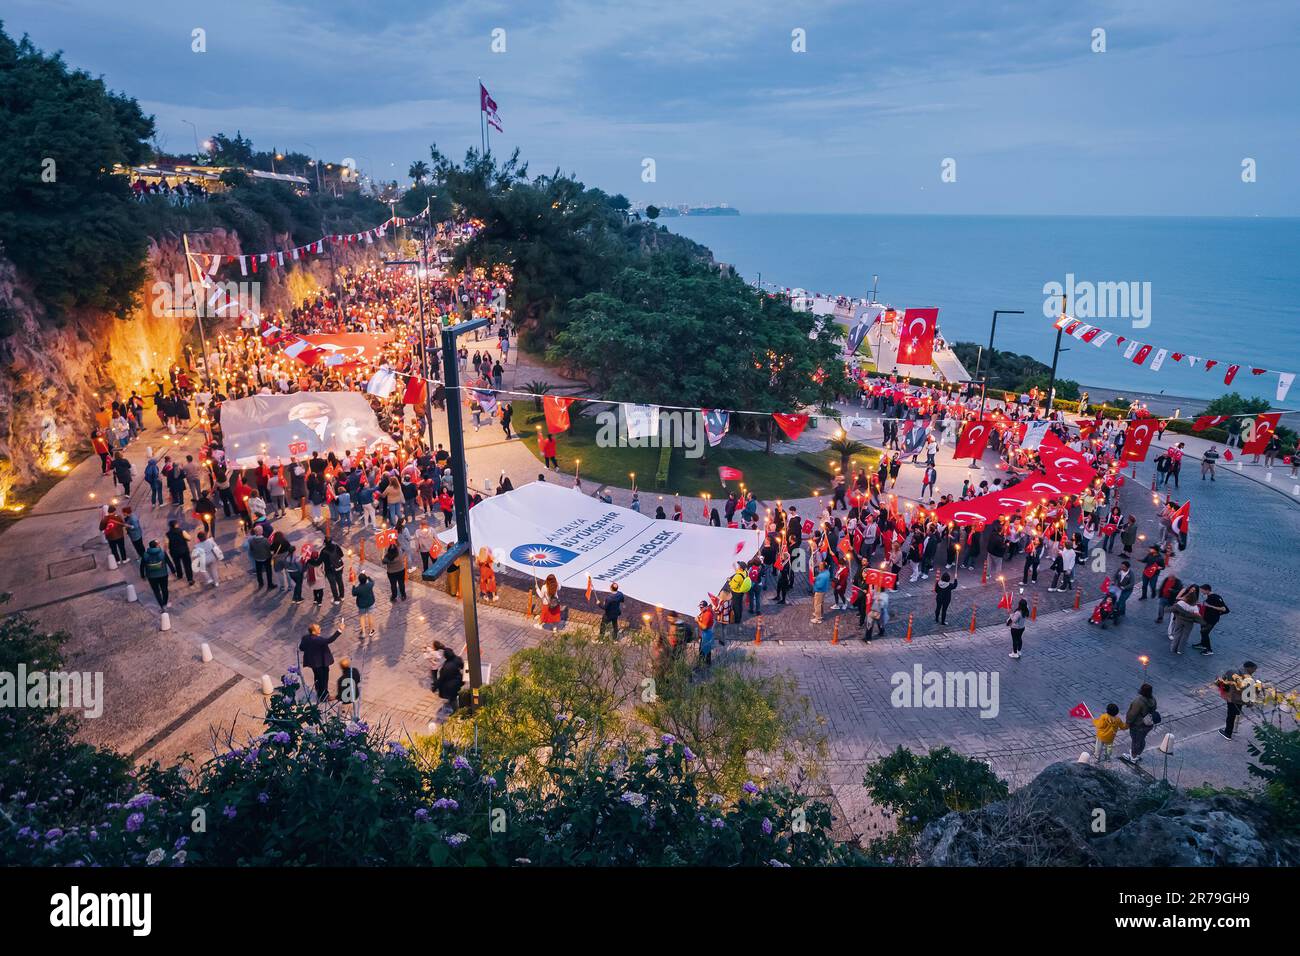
pixel 315 162
pixel 984 383
pixel 196 136
pixel 424 348
pixel 462 552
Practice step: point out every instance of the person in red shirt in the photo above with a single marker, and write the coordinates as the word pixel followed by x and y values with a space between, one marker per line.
pixel 546 445
pixel 114 529
pixel 448 506
pixel 101 449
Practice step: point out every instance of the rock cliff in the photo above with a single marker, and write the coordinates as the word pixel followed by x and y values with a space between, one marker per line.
pixel 55 375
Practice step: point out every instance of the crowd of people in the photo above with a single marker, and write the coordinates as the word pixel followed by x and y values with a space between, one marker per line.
pixel 186 192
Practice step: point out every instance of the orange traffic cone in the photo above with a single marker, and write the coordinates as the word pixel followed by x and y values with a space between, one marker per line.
pixel 1078 597
pixel 362 558
pixel 835 632
pixel 907 638
pixel 1033 610
pixel 984 575
pixel 972 620
pixel 758 633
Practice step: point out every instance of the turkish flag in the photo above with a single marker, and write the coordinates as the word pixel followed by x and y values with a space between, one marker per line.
pixel 1208 421
pixel 1141 355
pixel 1086 426
pixel 1180 520
pixel 974 437
pixel 1265 426
pixel 1081 711
pixel 727 473
pixel 916 336
pixel 385 538
pixel 792 425
pixel 414 394
pixel 1137 439
pixel 1004 603
pixel 557 413
pixel 1232 373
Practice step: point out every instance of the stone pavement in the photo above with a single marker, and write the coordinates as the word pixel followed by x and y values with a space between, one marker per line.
pixel 161 700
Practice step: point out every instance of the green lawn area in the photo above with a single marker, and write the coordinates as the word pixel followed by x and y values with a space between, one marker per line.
pixel 769 476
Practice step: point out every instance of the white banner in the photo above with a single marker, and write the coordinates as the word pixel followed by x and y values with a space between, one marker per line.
pixel 1034 432
pixel 1284 380
pixel 1158 360
pixel 642 420
pixel 275 427
pixel 541 528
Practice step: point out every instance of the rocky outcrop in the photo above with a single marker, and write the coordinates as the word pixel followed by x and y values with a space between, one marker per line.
pixel 1080 815
pixel 55 375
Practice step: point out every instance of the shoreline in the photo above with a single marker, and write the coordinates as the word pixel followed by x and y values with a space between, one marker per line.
pixel 1161 404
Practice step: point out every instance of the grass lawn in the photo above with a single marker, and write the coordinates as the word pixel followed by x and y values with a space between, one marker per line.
pixel 769 476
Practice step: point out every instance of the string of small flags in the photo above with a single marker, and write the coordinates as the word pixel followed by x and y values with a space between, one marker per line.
pixel 1138 353
pixel 208 263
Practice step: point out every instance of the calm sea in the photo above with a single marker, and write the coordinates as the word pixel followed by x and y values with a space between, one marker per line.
pixel 1227 289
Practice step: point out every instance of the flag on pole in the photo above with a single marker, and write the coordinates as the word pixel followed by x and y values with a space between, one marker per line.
pixel 489 107
pixel 1081 711
pixel 916 339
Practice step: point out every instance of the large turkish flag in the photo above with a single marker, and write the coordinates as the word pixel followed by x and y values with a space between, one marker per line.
pixel 916 336
pixel 1264 427
pixel 1137 439
pixel 557 413
pixel 974 436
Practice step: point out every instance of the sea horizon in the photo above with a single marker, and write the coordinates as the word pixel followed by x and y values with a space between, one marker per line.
pixel 1201 277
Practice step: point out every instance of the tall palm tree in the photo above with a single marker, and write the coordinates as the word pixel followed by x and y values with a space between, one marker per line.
pixel 419 169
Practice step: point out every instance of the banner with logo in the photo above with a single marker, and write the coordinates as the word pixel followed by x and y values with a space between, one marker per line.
pixel 542 528
pixel 271 427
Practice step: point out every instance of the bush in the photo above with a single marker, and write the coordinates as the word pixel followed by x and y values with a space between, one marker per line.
pixel 916 790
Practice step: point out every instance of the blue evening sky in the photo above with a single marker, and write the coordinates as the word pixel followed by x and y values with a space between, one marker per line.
pixel 861 122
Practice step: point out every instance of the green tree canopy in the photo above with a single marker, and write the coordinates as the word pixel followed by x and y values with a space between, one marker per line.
pixel 65 220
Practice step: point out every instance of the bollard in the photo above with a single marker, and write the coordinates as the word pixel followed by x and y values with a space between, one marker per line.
pixel 1153 482
pixel 972 620
pixel 1295 489
pixel 112 563
pixel 907 638
pixel 362 559
pixel 1033 610
pixel 758 633
pixel 164 621
pixel 130 594
pixel 1078 597
pixel 1239 464
pixel 1268 476
pixel 205 651
pixel 835 631
pixel 984 575
pixel 267 687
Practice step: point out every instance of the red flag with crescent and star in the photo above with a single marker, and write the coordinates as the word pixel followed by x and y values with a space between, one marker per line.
pixel 974 437
pixel 792 425
pixel 1265 427
pixel 1081 711
pixel 557 413
pixel 1137 439
pixel 916 337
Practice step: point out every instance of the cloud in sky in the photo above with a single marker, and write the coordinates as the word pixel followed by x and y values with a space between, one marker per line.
pixel 1036 121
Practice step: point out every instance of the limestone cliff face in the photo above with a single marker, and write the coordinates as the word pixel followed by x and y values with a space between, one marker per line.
pixel 53 378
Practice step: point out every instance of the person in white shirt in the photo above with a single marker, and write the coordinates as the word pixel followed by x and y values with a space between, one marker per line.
pixel 207 555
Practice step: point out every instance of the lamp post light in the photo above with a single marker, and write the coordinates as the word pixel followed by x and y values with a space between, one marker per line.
pixel 993 327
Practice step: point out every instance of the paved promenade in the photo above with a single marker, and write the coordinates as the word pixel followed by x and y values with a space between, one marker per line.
pixel 161 700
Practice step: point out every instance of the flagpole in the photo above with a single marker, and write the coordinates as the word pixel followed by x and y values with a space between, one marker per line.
pixel 482 127
pixel 198 310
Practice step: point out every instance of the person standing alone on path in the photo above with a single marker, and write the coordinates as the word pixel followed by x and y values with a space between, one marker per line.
pixel 1141 717
pixel 364 594
pixel 154 568
pixel 943 589
pixel 613 609
pixel 317 657
pixel 1232 689
pixel 1016 623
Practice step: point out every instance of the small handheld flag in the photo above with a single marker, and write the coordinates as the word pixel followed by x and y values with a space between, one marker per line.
pixel 1081 711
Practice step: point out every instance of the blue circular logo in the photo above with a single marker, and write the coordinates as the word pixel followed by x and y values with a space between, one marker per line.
pixel 542 555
